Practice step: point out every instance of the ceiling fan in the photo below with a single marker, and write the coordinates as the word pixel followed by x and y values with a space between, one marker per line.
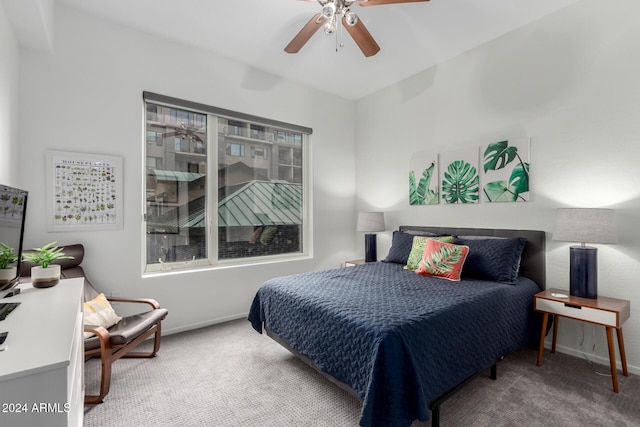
pixel 335 13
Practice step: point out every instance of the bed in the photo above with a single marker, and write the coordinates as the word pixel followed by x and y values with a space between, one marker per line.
pixel 402 342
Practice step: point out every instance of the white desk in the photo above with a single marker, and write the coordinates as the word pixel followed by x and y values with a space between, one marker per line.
pixel 42 369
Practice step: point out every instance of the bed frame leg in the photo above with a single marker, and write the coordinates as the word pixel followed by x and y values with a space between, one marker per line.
pixel 434 406
pixel 435 415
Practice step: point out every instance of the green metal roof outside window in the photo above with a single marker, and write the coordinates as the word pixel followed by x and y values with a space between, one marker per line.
pixel 257 203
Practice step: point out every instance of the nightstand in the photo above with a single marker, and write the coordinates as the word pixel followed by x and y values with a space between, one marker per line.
pixel 608 312
pixel 354 263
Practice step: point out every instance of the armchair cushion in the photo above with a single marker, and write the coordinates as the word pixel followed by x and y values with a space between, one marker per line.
pixel 98 312
pixel 129 328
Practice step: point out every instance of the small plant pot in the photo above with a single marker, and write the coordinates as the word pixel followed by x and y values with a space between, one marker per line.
pixel 7 274
pixel 45 277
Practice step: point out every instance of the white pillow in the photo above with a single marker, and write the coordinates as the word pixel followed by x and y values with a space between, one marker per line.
pixel 98 312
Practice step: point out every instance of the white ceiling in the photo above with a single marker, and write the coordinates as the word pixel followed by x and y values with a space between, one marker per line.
pixel 412 36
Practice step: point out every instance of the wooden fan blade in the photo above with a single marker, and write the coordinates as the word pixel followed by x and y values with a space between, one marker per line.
pixel 381 2
pixel 362 37
pixel 305 34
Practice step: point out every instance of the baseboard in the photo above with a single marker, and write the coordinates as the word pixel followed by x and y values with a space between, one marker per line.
pixel 204 324
pixel 591 357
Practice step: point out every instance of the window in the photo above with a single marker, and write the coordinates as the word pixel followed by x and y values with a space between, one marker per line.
pixel 260 153
pixel 291 138
pixel 152 113
pixel 250 207
pixel 235 149
pixel 154 162
pixel 235 128
pixel 154 137
pixel 257 132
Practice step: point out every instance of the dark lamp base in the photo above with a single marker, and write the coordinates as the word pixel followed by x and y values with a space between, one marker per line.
pixel 583 263
pixel 370 248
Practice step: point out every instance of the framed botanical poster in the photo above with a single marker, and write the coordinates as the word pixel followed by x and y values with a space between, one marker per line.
pixel 459 179
pixel 506 171
pixel 84 191
pixel 423 179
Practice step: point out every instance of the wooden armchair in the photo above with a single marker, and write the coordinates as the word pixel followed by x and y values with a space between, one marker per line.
pixel 119 340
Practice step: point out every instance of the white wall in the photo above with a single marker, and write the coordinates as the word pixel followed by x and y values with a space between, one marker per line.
pixel 570 82
pixel 9 58
pixel 87 97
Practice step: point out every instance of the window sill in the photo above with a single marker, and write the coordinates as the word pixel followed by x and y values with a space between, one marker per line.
pixel 201 265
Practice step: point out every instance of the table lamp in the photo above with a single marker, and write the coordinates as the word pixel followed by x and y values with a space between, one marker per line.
pixel 370 222
pixel 585 226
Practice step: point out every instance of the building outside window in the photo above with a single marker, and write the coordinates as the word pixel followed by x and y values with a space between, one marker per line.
pixel 251 207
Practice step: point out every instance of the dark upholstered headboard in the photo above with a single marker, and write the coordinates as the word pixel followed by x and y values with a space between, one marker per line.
pixel 533 262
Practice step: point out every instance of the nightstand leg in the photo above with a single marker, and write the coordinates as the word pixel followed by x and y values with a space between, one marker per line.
pixel 555 333
pixel 623 356
pixel 545 319
pixel 612 359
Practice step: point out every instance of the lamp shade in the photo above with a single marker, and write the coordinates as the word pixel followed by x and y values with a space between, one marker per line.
pixel 586 225
pixel 371 221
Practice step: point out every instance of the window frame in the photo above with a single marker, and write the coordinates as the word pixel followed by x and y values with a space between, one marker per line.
pixel 212 260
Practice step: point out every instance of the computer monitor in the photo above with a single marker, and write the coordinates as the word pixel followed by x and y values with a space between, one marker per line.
pixel 13 208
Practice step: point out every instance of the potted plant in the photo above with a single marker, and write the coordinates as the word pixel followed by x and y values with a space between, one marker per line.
pixel 7 263
pixel 44 274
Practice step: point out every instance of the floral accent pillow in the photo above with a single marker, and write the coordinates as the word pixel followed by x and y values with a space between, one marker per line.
pixel 442 259
pixel 417 249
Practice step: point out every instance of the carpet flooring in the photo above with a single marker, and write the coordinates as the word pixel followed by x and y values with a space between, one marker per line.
pixel 229 375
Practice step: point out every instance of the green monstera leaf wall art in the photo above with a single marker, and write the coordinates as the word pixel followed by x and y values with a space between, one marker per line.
pixel 460 183
pixel 423 190
pixel 460 180
pixel 506 168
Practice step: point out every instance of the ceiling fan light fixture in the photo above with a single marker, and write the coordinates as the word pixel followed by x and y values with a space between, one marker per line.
pixel 351 18
pixel 329 10
pixel 330 27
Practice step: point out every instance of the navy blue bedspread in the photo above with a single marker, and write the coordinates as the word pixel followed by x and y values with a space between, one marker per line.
pixel 399 339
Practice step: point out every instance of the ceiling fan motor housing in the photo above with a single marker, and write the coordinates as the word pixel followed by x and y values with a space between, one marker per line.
pixel 333 10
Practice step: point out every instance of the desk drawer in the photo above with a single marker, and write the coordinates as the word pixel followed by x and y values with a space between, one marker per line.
pixel 602 317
